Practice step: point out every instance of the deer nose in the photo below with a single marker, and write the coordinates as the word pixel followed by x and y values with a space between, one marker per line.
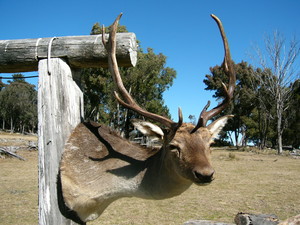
pixel 205 175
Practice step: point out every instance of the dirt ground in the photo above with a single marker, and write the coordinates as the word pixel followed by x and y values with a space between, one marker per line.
pixel 245 182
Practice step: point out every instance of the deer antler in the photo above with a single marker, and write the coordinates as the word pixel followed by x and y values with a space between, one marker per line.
pixel 229 70
pixel 129 102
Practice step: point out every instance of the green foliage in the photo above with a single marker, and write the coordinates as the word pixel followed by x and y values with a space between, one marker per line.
pixel 146 82
pixel 97 29
pixel 254 108
pixel 243 99
pixel 18 105
pixel 291 136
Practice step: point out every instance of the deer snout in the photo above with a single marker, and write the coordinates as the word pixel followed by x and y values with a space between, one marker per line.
pixel 204 175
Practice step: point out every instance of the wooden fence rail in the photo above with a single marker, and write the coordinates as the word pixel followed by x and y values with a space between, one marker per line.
pixel 78 51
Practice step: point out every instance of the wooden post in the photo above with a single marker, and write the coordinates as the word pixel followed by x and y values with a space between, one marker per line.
pixel 60 101
pixel 60 109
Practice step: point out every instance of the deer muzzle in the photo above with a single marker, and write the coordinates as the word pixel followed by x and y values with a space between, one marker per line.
pixel 204 176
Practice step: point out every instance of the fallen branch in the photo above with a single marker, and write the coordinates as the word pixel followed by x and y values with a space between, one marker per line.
pixel 9 153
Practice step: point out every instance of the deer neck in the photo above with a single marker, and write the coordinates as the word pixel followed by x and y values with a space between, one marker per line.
pixel 161 179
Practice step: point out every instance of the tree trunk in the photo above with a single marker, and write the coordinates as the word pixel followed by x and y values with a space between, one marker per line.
pixel 11 125
pixel 236 136
pixel 279 109
pixel 279 137
pixel 260 128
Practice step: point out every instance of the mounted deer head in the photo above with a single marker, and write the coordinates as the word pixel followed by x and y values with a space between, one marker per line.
pixel 98 166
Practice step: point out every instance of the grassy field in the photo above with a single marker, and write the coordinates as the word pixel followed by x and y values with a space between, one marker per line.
pixel 245 182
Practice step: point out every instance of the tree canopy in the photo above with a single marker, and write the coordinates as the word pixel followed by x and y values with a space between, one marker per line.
pixel 18 105
pixel 254 108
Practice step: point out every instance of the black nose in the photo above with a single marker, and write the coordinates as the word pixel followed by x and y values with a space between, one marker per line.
pixel 205 176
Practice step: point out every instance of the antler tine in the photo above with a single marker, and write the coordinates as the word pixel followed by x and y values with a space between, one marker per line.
pixel 227 63
pixel 128 101
pixel 229 70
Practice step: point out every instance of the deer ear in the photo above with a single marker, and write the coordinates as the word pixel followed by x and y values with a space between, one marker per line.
pixel 216 126
pixel 147 128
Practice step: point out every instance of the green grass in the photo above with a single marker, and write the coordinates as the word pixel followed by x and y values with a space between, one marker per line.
pixel 245 182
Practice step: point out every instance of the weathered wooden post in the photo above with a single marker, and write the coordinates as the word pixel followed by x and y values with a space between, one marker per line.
pixel 60 100
pixel 60 109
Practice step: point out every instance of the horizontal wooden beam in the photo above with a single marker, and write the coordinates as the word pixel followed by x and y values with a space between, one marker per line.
pixel 78 51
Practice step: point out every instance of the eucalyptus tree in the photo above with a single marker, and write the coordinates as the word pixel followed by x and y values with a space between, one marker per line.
pixel 243 101
pixel 18 101
pixel 291 136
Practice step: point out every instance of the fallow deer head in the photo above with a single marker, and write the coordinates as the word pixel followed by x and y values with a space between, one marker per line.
pixel 189 145
pixel 98 166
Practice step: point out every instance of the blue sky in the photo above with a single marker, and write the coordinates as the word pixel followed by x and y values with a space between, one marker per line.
pixel 181 30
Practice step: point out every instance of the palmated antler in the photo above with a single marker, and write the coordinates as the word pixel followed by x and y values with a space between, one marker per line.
pixel 128 101
pixel 229 70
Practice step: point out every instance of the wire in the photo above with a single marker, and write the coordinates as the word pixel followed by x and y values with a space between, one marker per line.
pixel 6 78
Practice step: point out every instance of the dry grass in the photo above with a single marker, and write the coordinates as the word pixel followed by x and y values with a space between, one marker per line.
pixel 245 181
pixel 8 139
pixel 19 189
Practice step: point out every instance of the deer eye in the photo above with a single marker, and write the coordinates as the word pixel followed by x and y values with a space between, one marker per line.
pixel 176 149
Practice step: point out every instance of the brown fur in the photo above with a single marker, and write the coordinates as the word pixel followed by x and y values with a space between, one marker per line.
pixel 98 167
